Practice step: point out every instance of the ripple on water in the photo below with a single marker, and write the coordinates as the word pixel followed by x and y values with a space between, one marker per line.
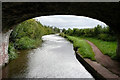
pixel 54 59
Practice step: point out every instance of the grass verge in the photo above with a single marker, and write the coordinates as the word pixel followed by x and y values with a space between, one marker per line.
pixel 106 47
pixel 83 47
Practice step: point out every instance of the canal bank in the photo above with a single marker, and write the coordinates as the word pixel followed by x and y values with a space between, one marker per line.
pixel 98 70
pixel 55 58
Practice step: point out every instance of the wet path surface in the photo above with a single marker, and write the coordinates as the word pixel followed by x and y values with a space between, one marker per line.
pixel 54 59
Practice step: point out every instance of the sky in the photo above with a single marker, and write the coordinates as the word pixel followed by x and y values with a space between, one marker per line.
pixel 69 21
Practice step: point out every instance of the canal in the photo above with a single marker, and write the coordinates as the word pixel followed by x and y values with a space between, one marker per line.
pixel 55 58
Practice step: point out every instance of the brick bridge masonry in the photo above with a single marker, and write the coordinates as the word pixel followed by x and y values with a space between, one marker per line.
pixel 4 47
pixel 14 13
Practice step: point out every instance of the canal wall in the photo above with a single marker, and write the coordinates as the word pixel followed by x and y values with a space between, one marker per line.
pixel 90 69
pixel 86 64
pixel 4 42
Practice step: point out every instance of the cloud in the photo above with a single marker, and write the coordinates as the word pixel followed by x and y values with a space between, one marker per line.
pixel 69 21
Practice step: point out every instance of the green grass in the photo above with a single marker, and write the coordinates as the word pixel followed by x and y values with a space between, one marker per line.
pixel 107 48
pixel 83 47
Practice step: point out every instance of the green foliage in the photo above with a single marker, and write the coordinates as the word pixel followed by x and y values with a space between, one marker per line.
pixel 97 30
pixel 62 34
pixel 105 33
pixel 69 32
pixel 12 52
pixel 89 32
pixel 25 43
pixel 63 30
pixel 101 37
pixel 75 31
pixel 83 47
pixel 28 28
pixel 106 37
pixel 108 48
pixel 28 34
pixel 57 30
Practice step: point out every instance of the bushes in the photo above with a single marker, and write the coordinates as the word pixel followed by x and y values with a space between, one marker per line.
pixel 106 37
pixel 25 43
pixel 62 34
pixel 29 28
pixel 101 33
pixel 27 35
pixel 103 36
pixel 12 52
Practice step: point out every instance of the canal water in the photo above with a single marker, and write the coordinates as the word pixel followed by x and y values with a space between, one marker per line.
pixel 55 58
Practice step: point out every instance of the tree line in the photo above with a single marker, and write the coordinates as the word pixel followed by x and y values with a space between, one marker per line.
pixel 103 33
pixel 27 35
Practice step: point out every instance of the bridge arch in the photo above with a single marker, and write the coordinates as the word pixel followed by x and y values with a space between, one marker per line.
pixel 14 13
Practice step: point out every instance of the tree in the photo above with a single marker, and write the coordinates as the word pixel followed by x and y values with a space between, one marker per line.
pixel 75 31
pixel 69 31
pixel 97 30
pixel 63 30
pixel 57 30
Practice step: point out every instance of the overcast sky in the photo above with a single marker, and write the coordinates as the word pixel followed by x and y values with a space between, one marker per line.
pixel 69 21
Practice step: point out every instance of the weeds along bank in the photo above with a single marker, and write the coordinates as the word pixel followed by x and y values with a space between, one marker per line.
pixel 27 35
pixel 81 46
pixel 103 38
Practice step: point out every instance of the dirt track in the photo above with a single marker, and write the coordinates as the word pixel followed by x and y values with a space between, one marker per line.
pixel 106 61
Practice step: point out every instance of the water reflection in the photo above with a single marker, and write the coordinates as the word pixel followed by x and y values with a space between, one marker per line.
pixel 54 59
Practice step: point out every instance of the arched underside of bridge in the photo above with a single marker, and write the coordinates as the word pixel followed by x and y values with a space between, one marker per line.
pixel 14 13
